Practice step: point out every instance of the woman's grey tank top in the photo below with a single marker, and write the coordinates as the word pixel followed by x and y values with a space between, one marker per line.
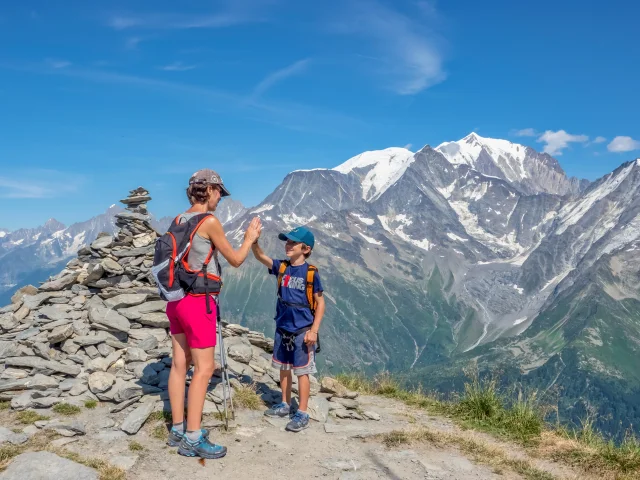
pixel 200 249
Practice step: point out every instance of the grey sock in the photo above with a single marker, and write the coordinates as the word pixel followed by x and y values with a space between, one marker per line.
pixel 178 427
pixel 194 436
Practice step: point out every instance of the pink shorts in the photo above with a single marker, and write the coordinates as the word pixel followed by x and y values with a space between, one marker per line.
pixel 189 316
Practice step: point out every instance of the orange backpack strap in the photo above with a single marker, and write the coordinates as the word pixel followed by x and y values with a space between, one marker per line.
pixel 283 267
pixel 310 298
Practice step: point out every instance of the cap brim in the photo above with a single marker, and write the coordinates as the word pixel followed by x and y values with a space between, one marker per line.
pixel 284 237
pixel 224 192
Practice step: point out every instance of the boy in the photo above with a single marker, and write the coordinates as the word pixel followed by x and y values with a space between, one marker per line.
pixel 297 321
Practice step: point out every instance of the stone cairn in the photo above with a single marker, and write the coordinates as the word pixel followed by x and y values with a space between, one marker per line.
pixel 98 331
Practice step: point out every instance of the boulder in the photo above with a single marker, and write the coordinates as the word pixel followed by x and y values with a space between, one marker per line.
pixel 318 409
pixel 60 283
pixel 111 266
pixel 108 318
pixel 240 352
pixel 136 418
pixel 102 242
pixel 135 313
pixel 125 300
pixel 9 349
pixel 101 381
pixel 154 319
pixel 60 333
pixel 36 362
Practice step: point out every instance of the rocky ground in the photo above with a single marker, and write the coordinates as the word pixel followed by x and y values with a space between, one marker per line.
pixel 84 366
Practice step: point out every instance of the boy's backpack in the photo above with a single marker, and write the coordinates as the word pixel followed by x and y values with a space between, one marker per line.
pixel 311 301
pixel 171 271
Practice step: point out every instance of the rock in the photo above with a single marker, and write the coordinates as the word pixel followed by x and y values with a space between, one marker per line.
pixel 240 352
pixel 346 402
pixel 84 340
pixel 371 415
pixel 42 382
pixel 69 347
pixel 95 273
pixel 100 364
pixel 135 313
pixel 34 301
pixel 315 386
pixel 28 333
pixel 136 355
pixel 132 252
pixel 60 283
pixel 78 389
pixel 105 350
pixel 21 313
pixel 154 319
pixel 122 405
pixel 46 402
pixel 348 414
pixel 111 266
pixel 36 362
pixel 30 430
pixel 101 381
pixel 105 422
pixel 259 340
pixel 144 240
pixel 136 419
pixel 13 374
pixel 92 351
pixel 125 300
pixel 7 436
pixel 237 329
pixel 107 318
pixel 60 333
pixel 102 242
pixel 124 462
pixel 127 390
pixel 149 343
pixel 8 349
pixel 318 409
pixel 27 290
pixel 46 466
pixel 335 406
pixel 217 394
pixel 22 401
pixel 68 383
pixel 140 334
pixel 67 429
pixel 331 385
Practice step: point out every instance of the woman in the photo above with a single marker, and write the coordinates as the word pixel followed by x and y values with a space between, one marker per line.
pixel 193 330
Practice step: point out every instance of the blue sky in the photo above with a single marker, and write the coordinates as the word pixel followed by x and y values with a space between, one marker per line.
pixel 97 98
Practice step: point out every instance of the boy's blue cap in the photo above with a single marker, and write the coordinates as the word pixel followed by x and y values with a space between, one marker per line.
pixel 300 234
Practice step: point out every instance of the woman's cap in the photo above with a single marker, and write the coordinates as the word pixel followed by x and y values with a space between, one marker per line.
pixel 209 177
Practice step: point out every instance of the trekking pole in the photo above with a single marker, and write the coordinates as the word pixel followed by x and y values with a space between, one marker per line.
pixel 226 385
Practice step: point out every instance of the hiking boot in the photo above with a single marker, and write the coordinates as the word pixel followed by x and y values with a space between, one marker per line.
pixel 298 422
pixel 175 437
pixel 202 448
pixel 280 410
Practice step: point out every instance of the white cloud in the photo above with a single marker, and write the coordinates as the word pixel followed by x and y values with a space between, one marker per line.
pixel 56 63
pixel 39 183
pixel 623 144
pixel 278 76
pixel 132 43
pixel 555 142
pixel 178 67
pixel 600 140
pixel 410 56
pixel 525 132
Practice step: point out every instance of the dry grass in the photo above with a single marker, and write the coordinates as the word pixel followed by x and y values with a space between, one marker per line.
pixel 90 404
pixel 165 416
pixel 479 451
pixel 483 407
pixel 245 396
pixel 135 446
pixel 5 405
pixel 105 470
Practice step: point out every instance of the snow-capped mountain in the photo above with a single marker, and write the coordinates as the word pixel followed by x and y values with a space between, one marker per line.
pixel 523 167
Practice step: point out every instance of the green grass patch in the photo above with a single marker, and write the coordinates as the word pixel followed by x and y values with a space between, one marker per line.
pixel 135 446
pixel 160 432
pixel 66 409
pixel 164 416
pixel 27 417
pixel 90 404
pixel 518 416
pixel 105 470
pixel 5 405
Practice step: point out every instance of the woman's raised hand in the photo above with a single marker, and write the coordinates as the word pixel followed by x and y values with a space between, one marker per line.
pixel 253 230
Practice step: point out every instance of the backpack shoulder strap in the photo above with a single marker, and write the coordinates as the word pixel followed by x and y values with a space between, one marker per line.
pixel 311 272
pixel 283 268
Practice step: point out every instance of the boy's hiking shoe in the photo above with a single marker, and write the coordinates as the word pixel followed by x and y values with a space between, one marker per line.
pixel 298 422
pixel 280 410
pixel 175 437
pixel 202 448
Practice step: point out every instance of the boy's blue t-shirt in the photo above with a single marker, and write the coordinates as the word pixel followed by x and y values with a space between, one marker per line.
pixel 294 290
